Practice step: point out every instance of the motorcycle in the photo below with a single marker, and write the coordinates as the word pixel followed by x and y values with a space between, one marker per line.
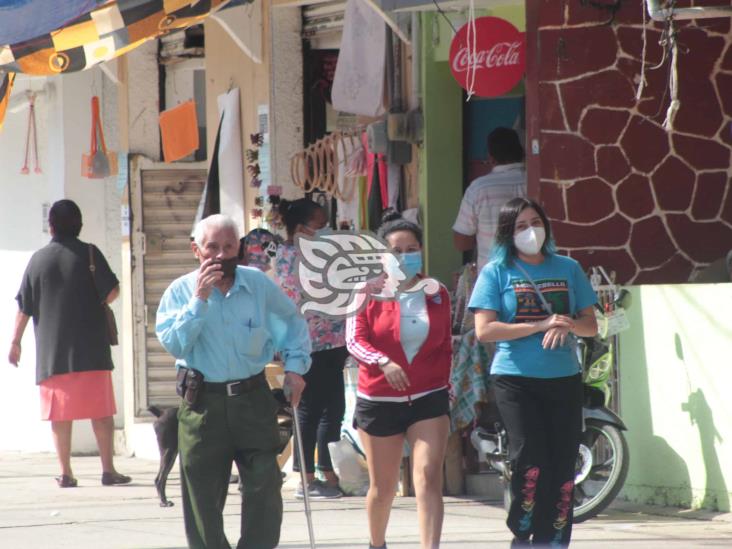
pixel 603 458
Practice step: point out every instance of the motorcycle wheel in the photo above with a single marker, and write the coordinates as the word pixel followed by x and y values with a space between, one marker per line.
pixel 602 466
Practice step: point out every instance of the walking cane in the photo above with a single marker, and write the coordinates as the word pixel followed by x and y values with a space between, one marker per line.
pixel 303 475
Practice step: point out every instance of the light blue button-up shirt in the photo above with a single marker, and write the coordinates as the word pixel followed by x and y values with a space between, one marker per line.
pixel 232 336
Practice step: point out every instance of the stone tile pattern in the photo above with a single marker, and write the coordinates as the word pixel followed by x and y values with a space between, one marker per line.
pixel 622 192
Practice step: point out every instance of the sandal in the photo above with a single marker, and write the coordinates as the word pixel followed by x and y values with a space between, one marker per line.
pixel 110 479
pixel 65 481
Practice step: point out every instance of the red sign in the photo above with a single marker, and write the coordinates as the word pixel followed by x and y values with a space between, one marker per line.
pixel 499 56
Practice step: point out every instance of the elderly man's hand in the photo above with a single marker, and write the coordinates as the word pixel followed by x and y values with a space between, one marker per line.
pixel 208 275
pixel 293 387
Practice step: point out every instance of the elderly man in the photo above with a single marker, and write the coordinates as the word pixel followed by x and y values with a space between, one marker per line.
pixel 225 322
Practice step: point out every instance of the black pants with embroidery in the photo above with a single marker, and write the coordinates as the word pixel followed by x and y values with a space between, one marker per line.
pixel 543 419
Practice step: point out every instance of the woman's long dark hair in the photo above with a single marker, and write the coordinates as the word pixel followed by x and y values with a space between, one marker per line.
pixel 504 250
pixel 297 212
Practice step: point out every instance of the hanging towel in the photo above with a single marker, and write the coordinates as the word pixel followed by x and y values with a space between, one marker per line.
pixel 179 131
pixel 469 378
pixel 358 84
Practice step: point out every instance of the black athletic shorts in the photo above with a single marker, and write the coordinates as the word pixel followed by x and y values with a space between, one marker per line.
pixel 384 419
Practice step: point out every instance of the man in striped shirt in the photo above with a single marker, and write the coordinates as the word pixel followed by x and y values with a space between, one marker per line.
pixel 478 216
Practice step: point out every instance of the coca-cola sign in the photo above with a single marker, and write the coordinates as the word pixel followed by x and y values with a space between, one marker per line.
pixel 498 57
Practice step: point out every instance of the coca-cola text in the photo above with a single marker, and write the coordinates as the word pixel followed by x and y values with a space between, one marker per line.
pixel 502 54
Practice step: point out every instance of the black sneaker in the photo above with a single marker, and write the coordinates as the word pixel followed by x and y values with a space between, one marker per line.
pixel 318 489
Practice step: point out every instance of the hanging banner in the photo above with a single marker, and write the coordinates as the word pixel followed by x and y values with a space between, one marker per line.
pixel 231 158
pixel 498 56
pixel 358 83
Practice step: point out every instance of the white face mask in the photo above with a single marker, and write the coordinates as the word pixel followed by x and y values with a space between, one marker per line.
pixel 529 241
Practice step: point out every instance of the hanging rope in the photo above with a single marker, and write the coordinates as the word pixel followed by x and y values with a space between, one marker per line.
pixel 672 45
pixel 642 83
pixel 675 104
pixel 32 131
pixel 472 45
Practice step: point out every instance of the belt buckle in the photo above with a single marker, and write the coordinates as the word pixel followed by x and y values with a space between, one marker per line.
pixel 230 388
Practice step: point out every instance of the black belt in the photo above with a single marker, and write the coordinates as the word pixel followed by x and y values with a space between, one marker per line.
pixel 238 387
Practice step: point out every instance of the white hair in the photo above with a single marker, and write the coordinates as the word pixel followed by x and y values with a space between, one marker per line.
pixel 215 221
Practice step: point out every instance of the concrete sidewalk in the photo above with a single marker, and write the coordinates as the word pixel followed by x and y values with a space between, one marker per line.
pixel 36 514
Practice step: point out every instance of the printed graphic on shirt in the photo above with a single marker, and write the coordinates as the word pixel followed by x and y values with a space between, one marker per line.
pixel 528 304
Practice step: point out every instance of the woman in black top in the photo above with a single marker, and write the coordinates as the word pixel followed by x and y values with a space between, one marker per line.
pixel 64 297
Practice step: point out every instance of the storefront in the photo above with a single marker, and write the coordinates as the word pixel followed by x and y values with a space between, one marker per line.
pixel 650 204
pixel 447 147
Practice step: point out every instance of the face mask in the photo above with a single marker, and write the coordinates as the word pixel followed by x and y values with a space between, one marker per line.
pixel 411 264
pixel 322 232
pixel 228 266
pixel 529 241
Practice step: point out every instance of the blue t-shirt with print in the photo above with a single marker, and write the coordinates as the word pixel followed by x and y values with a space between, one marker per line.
pixel 506 290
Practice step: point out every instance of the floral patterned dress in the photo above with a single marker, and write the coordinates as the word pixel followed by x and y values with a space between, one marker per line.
pixel 325 333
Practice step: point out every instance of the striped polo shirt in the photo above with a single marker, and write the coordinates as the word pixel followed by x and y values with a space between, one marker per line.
pixel 482 202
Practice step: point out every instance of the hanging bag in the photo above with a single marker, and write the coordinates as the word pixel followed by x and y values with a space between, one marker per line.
pixel 108 313
pixel 98 163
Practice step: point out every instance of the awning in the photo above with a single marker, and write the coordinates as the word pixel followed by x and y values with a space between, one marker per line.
pixel 98 35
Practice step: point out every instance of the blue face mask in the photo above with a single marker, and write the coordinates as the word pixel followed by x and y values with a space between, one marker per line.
pixel 322 232
pixel 411 264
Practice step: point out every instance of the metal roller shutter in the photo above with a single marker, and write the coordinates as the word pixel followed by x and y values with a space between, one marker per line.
pixel 169 202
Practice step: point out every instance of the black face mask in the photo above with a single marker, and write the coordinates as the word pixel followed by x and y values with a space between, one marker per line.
pixel 228 266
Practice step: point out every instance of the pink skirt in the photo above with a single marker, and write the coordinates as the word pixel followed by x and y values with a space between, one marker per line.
pixel 77 395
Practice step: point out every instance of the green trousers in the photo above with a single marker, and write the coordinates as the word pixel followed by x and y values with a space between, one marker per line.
pixel 219 431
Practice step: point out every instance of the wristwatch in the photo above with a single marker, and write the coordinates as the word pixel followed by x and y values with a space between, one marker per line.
pixel 383 361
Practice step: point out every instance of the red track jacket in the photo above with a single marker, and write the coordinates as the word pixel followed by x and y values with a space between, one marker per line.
pixel 374 333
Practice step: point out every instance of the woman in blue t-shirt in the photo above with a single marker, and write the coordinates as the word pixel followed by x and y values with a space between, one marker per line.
pixel 536 374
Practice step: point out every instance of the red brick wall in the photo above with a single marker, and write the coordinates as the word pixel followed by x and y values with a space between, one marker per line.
pixel 622 192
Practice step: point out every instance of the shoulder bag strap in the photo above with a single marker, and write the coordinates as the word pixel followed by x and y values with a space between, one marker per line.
pixel 93 268
pixel 547 306
pixel 572 338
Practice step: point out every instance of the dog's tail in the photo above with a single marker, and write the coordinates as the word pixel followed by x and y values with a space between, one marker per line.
pixel 154 410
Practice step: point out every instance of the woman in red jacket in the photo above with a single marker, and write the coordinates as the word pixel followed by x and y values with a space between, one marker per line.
pixel 403 347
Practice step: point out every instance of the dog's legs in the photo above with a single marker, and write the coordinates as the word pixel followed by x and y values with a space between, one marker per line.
pixel 167 459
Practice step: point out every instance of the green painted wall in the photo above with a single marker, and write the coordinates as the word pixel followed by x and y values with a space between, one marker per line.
pixel 441 154
pixel 676 395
